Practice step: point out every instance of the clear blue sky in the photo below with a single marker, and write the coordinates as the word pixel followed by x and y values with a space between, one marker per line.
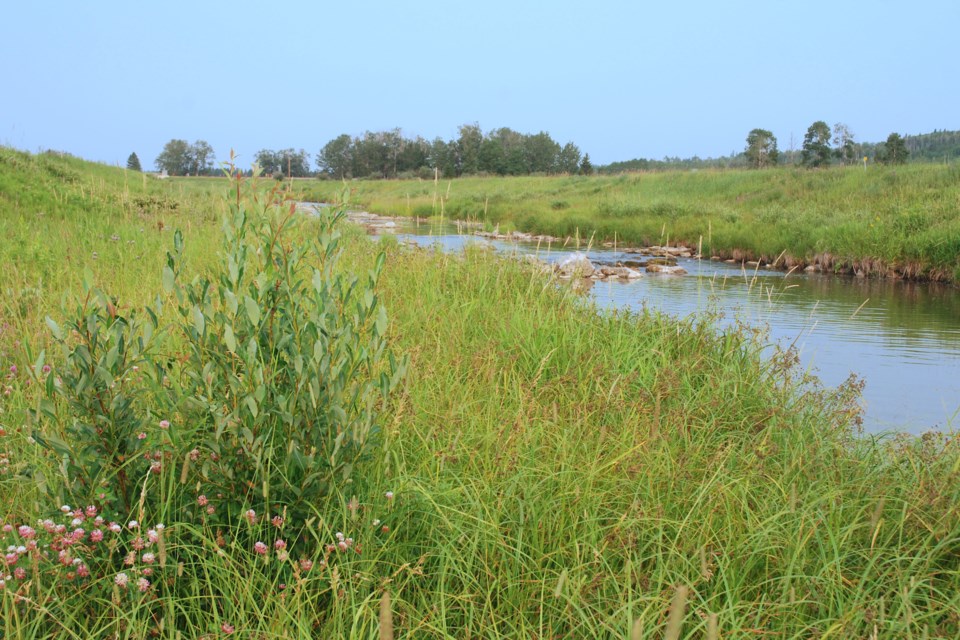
pixel 619 79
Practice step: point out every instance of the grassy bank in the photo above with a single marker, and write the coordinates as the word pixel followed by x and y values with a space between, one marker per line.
pixel 902 222
pixel 552 472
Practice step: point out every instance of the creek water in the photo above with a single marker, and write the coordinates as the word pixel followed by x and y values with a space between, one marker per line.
pixel 901 338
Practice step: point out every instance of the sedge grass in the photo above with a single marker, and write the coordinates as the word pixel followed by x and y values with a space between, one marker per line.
pixel 558 472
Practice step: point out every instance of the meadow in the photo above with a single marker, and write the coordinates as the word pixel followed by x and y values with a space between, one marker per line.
pixel 879 221
pixel 541 470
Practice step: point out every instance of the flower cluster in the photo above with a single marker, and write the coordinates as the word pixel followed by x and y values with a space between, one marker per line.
pixel 79 547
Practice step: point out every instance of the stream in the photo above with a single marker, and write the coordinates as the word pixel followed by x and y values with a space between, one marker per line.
pixel 901 338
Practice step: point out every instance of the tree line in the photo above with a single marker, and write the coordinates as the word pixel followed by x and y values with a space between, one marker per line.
pixel 822 146
pixel 389 154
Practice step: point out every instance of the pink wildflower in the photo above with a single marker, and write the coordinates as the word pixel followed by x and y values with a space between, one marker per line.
pixel 143 584
pixel 227 628
pixel 26 532
pixel 121 580
pixel 306 564
pixel 164 424
pixel 202 500
pixel 96 535
pixel 251 516
pixel 260 547
pixel 148 558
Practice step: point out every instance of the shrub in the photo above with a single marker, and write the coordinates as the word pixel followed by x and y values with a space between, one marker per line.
pixel 286 367
pixel 264 392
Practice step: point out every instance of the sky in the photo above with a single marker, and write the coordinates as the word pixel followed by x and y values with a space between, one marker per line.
pixel 619 79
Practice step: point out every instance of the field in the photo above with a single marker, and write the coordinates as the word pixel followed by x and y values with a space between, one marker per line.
pixel 882 221
pixel 541 470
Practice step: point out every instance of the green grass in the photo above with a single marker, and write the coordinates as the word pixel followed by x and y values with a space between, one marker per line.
pixel 558 472
pixel 902 221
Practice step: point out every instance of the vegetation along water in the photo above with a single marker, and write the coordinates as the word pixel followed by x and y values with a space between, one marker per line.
pixel 222 418
pixel 883 221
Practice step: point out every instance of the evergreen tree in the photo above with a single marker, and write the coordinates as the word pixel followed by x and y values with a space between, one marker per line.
pixel 586 168
pixel 133 162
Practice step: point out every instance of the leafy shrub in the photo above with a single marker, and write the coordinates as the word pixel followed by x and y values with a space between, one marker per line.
pixel 287 366
pixel 263 393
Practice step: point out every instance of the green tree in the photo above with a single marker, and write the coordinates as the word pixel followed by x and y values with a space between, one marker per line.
pixel 894 150
pixel 294 164
pixel 414 155
pixel 514 156
pixel 816 145
pixel 336 157
pixel 133 162
pixel 268 161
pixel 201 158
pixel 568 160
pixel 443 157
pixel 844 147
pixel 468 148
pixel 541 152
pixel 175 158
pixel 586 167
pixel 761 149
pixel 492 157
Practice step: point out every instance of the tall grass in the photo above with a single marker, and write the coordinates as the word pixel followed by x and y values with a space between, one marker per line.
pixel 554 471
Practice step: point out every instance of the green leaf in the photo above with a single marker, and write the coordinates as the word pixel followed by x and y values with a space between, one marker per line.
pixel 229 339
pixel 112 356
pixel 231 301
pixel 253 310
pixel 169 279
pixel 251 405
pixel 199 322
pixel 381 322
pixel 54 328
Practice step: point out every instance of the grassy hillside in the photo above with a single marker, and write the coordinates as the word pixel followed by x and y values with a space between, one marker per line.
pixel 545 470
pixel 902 222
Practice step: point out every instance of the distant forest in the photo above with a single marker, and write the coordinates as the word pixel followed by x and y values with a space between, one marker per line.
pixel 388 154
pixel 939 146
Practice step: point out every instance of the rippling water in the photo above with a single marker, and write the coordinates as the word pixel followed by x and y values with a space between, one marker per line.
pixel 901 338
